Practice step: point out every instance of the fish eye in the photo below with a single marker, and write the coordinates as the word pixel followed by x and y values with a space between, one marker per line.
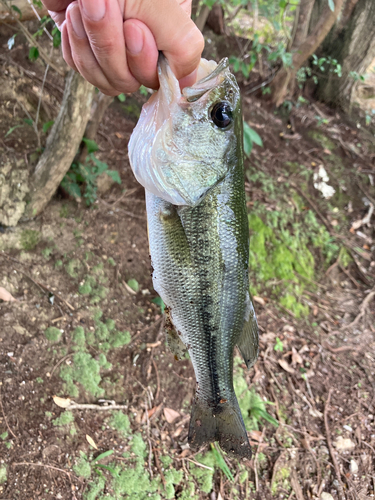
pixel 222 114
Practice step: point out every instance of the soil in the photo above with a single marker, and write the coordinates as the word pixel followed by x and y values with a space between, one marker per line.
pixel 318 370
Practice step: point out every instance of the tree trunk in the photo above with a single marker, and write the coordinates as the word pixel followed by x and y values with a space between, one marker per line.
pixel 354 48
pixel 201 19
pixel 302 21
pixel 215 20
pixel 99 106
pixel 285 78
pixel 62 143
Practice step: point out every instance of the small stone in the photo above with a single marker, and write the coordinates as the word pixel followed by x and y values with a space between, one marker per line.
pixel 353 466
pixel 326 496
pixel 344 444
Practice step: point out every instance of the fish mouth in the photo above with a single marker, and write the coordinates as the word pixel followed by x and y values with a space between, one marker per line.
pixel 209 76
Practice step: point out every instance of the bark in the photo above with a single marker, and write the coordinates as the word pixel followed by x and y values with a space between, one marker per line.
pixel 286 76
pixel 354 48
pixel 215 20
pixel 98 108
pixel 201 19
pixel 62 143
pixel 302 21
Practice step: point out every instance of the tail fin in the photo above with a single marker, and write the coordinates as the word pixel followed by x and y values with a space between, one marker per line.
pixel 223 424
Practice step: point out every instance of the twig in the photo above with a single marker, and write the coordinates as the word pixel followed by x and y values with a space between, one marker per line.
pixel 339 349
pixel 198 464
pixel 255 461
pixel 40 97
pixel 5 418
pixel 312 204
pixel 363 308
pixel 61 360
pixel 329 443
pixel 157 381
pixel 83 406
pixel 69 474
pixel 39 19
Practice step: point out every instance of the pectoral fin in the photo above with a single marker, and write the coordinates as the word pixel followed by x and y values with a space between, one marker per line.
pixel 248 343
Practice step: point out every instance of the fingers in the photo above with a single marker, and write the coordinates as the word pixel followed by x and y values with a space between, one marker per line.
pixel 174 32
pixel 141 53
pixel 58 17
pixel 56 5
pixel 65 45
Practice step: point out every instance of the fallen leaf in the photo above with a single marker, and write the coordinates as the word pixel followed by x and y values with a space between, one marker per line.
pixel 259 300
pixel 91 441
pixel 256 435
pixel 268 337
pixel 296 357
pixel 170 415
pixel 327 151
pixel 62 402
pixel 6 296
pixel 118 135
pixel 284 364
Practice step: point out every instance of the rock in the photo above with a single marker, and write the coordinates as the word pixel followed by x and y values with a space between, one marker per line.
pixel 344 444
pixel 353 466
pixel 326 496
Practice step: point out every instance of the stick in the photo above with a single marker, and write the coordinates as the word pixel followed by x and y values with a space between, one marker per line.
pixel 330 447
pixel 363 308
pixel 69 474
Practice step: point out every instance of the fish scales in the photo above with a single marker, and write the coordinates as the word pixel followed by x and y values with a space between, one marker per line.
pixel 199 255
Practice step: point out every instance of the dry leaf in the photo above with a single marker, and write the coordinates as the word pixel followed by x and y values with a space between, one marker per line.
pixel 118 135
pixel 284 364
pixel 219 497
pixel 91 441
pixel 170 415
pixel 6 296
pixel 128 289
pixel 296 357
pixel 268 337
pixel 256 435
pixel 62 402
pixel 259 300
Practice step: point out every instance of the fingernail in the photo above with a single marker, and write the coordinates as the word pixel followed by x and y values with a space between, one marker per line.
pixel 93 9
pixel 76 21
pixel 188 80
pixel 133 39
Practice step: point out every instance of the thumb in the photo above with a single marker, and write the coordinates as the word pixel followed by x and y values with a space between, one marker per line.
pixel 175 34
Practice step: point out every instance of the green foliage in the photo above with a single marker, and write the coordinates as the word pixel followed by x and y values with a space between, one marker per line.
pixel 253 407
pixel 221 463
pixel 33 54
pixel 159 302
pixel 249 138
pixel 133 284
pixel 86 371
pixel 4 435
pixel 203 476
pixel 29 239
pixel 47 126
pixel 73 267
pixel 81 179
pixel 53 334
pixel 279 345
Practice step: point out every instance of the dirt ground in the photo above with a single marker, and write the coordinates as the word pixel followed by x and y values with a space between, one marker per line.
pixel 84 326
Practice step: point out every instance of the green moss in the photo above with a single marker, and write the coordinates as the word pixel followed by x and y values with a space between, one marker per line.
pixel 172 478
pixel 47 252
pixel 83 468
pixel 72 268
pixel 120 422
pixel 110 324
pixel 78 336
pixel 135 483
pixel 58 264
pixel 111 262
pixel 322 139
pixel 103 362
pixel 3 474
pixel 29 239
pixel 120 338
pixel 281 480
pixel 204 477
pixel 134 285
pixel 85 289
pixel 4 435
pixel 53 334
pixel 86 371
pixel 65 418
pixel 94 489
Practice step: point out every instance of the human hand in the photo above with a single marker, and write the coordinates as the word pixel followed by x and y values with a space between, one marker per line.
pixel 114 44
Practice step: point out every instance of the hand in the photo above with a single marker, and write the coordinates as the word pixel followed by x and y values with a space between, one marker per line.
pixel 114 44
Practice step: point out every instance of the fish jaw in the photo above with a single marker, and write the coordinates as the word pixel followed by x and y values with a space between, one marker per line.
pixel 175 151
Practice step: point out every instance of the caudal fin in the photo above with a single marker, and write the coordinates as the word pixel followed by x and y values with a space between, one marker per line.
pixel 223 424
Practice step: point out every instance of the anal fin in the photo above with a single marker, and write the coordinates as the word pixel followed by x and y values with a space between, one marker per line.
pixel 248 343
pixel 174 341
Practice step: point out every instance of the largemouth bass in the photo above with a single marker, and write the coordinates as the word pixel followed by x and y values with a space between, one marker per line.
pixel 187 152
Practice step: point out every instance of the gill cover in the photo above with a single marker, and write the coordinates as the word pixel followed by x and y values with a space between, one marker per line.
pixel 176 151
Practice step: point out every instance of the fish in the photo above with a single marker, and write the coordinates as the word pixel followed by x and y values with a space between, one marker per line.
pixel 187 152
